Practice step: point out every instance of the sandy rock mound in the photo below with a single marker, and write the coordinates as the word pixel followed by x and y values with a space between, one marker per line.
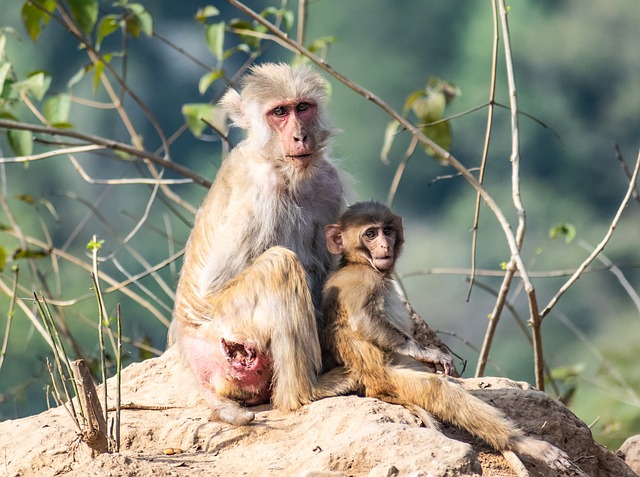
pixel 167 433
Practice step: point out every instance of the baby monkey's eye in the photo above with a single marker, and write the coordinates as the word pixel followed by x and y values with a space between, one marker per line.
pixel 371 233
pixel 388 231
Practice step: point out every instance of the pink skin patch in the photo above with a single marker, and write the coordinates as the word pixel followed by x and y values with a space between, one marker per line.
pixel 249 370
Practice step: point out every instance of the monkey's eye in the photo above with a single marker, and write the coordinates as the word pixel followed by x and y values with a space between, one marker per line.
pixel 303 107
pixel 279 111
pixel 388 231
pixel 371 233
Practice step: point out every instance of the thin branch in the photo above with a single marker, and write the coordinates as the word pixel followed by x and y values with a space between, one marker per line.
pixel 103 276
pixel 604 362
pixel 501 273
pixel 626 170
pixel 302 20
pixel 613 268
pixel 487 142
pixel 133 181
pixel 108 144
pixel 524 328
pixel 47 155
pixel 400 171
pixel 600 247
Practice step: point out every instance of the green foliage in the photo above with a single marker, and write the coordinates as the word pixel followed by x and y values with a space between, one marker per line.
pixel 428 106
pixel 36 15
pixel 57 109
pixel 568 231
pixel 3 258
pixel 85 12
pixel 108 25
pixel 208 79
pixel 198 115
pixel 94 244
pixel 21 142
pixel 214 35
pixel 138 20
pixel 206 12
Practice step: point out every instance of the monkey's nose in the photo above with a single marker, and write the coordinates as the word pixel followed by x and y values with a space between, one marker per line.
pixel 300 137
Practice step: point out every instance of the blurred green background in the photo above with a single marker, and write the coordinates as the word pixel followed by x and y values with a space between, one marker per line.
pixel 577 66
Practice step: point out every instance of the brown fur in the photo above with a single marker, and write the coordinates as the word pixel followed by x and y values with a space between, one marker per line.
pixel 368 333
pixel 245 310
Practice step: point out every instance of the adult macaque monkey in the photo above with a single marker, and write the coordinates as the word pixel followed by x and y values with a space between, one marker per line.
pixel 369 330
pixel 244 317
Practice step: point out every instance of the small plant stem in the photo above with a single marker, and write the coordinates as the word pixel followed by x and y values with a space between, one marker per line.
pixel 103 321
pixel 10 313
pixel 58 353
pixel 119 374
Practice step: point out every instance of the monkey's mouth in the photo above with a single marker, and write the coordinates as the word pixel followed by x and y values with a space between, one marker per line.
pixel 300 160
pixel 383 263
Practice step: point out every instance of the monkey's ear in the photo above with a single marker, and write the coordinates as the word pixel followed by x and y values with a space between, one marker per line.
pixel 231 102
pixel 333 235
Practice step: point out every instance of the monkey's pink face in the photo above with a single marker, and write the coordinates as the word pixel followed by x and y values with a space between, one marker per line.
pixel 295 124
pixel 381 240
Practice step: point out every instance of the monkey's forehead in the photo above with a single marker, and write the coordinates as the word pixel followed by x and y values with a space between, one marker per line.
pixel 288 102
pixel 373 222
pixel 281 82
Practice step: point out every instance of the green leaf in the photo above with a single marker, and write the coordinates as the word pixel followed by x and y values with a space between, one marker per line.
pixel 75 79
pixel 29 253
pixel 98 69
pixel 429 107
pixel 232 51
pixel 439 133
pixel 56 109
pixel 389 135
pixel 214 35
pixel 206 12
pixel 139 20
pixel 4 71
pixel 36 84
pixel 35 19
pixel 251 41
pixel 26 198
pixel 3 258
pixel 85 12
pixel 108 24
pixel 95 244
pixel 286 16
pixel 197 113
pixel 568 231
pixel 21 142
pixel 208 79
pixel 320 44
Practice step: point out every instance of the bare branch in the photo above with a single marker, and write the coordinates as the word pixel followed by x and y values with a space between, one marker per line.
pixel 600 247
pixel 108 144
pixel 487 141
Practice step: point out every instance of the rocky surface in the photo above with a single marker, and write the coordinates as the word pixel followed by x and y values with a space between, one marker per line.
pixel 167 433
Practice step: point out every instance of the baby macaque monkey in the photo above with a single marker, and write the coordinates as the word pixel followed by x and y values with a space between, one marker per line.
pixel 368 330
